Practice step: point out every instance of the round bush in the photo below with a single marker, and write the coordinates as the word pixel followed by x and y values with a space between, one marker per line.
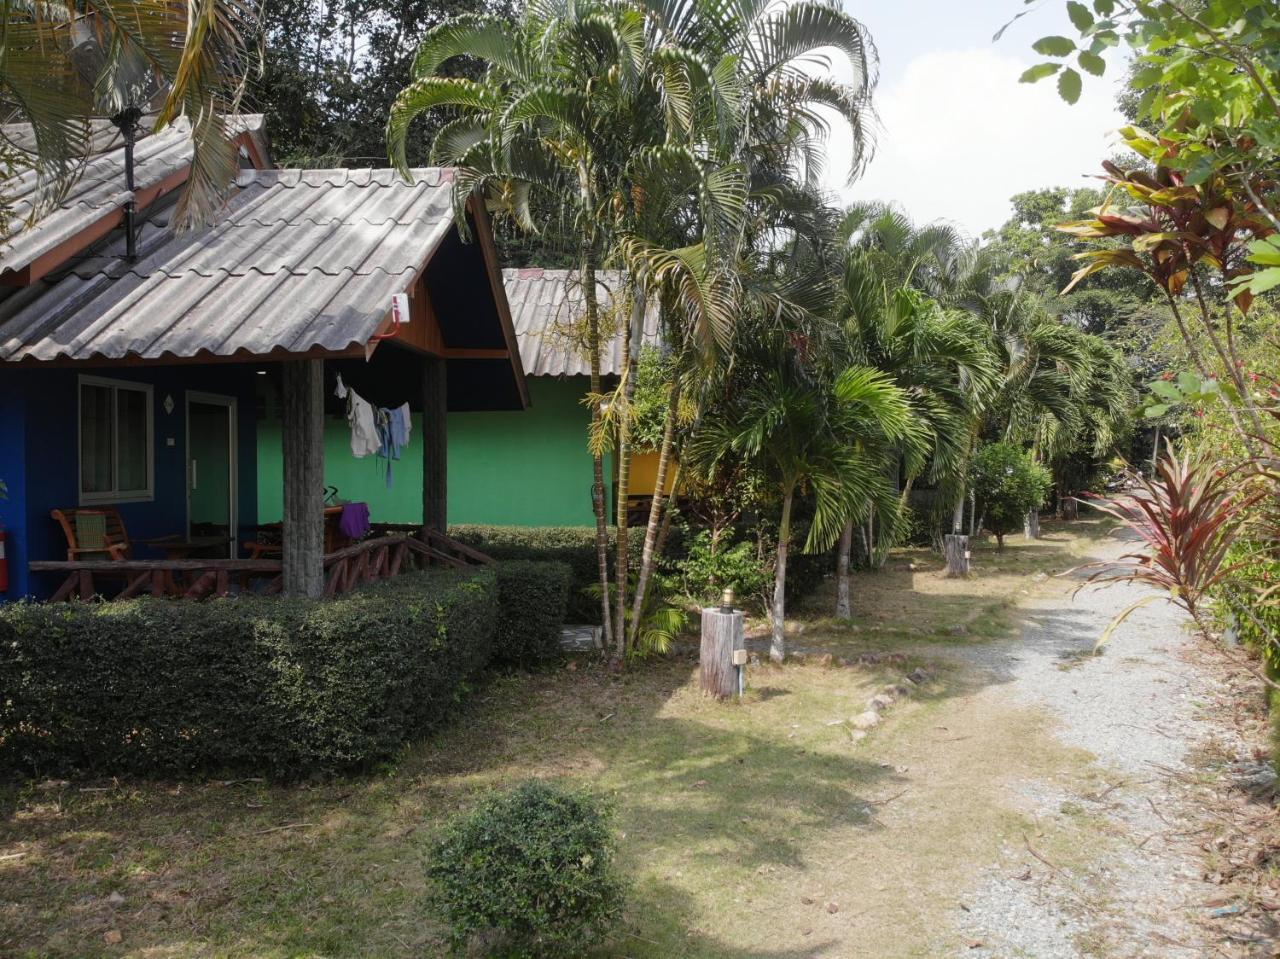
pixel 530 872
pixel 1008 485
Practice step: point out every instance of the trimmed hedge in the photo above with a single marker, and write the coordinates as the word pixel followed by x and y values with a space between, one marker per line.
pixel 534 598
pixel 574 546
pixel 280 686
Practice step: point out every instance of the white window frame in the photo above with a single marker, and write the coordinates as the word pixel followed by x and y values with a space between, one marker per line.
pixel 116 495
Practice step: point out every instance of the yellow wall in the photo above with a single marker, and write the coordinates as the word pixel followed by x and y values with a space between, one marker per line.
pixel 644 474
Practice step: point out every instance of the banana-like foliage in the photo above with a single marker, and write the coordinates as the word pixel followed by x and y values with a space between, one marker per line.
pixel 63 65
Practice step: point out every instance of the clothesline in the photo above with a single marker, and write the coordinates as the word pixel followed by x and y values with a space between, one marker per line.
pixel 375 431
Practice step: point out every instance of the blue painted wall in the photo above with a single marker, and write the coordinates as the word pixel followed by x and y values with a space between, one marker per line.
pixel 39 459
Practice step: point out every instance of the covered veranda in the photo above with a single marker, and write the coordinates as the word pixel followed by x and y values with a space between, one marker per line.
pixel 293 288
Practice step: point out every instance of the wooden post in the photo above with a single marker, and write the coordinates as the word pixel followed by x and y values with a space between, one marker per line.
pixel 1031 525
pixel 303 438
pixel 435 445
pixel 957 552
pixel 722 633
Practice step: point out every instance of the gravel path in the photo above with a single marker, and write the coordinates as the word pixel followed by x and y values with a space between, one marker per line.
pixel 1138 710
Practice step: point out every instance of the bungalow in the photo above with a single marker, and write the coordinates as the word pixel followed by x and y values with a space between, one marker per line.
pixel 134 361
pixel 506 468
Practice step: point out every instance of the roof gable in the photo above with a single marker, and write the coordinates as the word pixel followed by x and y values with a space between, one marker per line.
pixel 302 260
pixel 547 309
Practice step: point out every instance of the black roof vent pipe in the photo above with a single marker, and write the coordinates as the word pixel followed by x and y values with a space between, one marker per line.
pixel 126 121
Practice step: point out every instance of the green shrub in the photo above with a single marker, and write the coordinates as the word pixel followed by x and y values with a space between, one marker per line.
pixel 1008 485
pixel 703 573
pixel 573 545
pixel 1235 606
pixel 534 597
pixel 281 686
pixel 530 871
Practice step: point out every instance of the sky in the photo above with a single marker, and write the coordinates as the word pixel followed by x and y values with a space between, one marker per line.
pixel 958 135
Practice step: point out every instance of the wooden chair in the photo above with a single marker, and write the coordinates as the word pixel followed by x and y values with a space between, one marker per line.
pixel 93 533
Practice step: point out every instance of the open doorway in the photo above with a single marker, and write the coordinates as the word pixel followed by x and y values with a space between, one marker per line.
pixel 211 471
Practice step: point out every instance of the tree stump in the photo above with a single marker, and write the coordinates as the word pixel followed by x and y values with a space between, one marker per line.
pixel 722 633
pixel 1031 526
pixel 956 548
pixel 1070 508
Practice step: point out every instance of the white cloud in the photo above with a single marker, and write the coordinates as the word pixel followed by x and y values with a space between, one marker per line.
pixel 960 136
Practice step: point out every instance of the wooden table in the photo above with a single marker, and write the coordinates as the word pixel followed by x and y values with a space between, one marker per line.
pixel 176 546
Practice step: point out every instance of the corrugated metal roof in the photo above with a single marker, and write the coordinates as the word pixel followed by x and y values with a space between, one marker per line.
pixel 303 259
pixel 100 188
pixel 546 310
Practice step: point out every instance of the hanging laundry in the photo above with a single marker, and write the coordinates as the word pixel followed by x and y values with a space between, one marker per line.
pixel 375 431
pixel 401 425
pixel 395 437
pixel 353 523
pixel 363 421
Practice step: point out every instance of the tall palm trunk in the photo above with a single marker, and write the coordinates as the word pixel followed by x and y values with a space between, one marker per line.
pixel 667 514
pixel 778 644
pixel 592 309
pixel 622 562
pixel 652 547
pixel 843 608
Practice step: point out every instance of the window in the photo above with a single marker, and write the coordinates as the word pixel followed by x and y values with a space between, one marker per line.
pixel 115 441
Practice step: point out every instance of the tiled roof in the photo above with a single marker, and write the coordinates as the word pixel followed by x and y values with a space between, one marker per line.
pixel 100 189
pixel 302 259
pixel 546 310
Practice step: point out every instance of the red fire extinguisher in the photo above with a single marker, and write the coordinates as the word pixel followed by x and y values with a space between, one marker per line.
pixel 4 564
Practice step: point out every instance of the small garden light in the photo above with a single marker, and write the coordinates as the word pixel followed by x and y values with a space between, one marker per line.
pixel 726 600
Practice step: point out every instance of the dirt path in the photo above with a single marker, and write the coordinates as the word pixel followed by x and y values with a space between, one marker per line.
pixel 1109 870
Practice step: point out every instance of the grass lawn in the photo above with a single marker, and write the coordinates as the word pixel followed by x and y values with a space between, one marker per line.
pixel 753 829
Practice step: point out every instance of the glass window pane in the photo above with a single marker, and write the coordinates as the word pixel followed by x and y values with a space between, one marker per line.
pixel 131 435
pixel 96 467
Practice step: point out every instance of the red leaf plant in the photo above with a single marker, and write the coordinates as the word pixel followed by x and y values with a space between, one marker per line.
pixel 1187 516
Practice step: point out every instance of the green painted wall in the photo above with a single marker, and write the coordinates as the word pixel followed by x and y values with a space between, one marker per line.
pixel 528 468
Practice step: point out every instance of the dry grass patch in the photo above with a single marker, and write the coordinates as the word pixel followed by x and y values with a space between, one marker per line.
pixel 911 601
pixel 759 828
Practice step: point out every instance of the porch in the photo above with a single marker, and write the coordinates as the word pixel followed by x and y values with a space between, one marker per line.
pixel 382 556
pixel 139 385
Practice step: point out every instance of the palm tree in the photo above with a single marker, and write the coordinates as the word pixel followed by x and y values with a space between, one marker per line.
pixel 1063 392
pixel 895 278
pixel 63 66
pixel 556 111
pixel 663 124
pixel 805 429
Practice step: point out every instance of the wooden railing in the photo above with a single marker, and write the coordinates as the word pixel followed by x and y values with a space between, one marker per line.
pixel 186 578
pixel 441 548
pixel 381 556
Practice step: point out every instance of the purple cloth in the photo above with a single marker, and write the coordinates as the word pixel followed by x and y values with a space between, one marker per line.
pixel 354 521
